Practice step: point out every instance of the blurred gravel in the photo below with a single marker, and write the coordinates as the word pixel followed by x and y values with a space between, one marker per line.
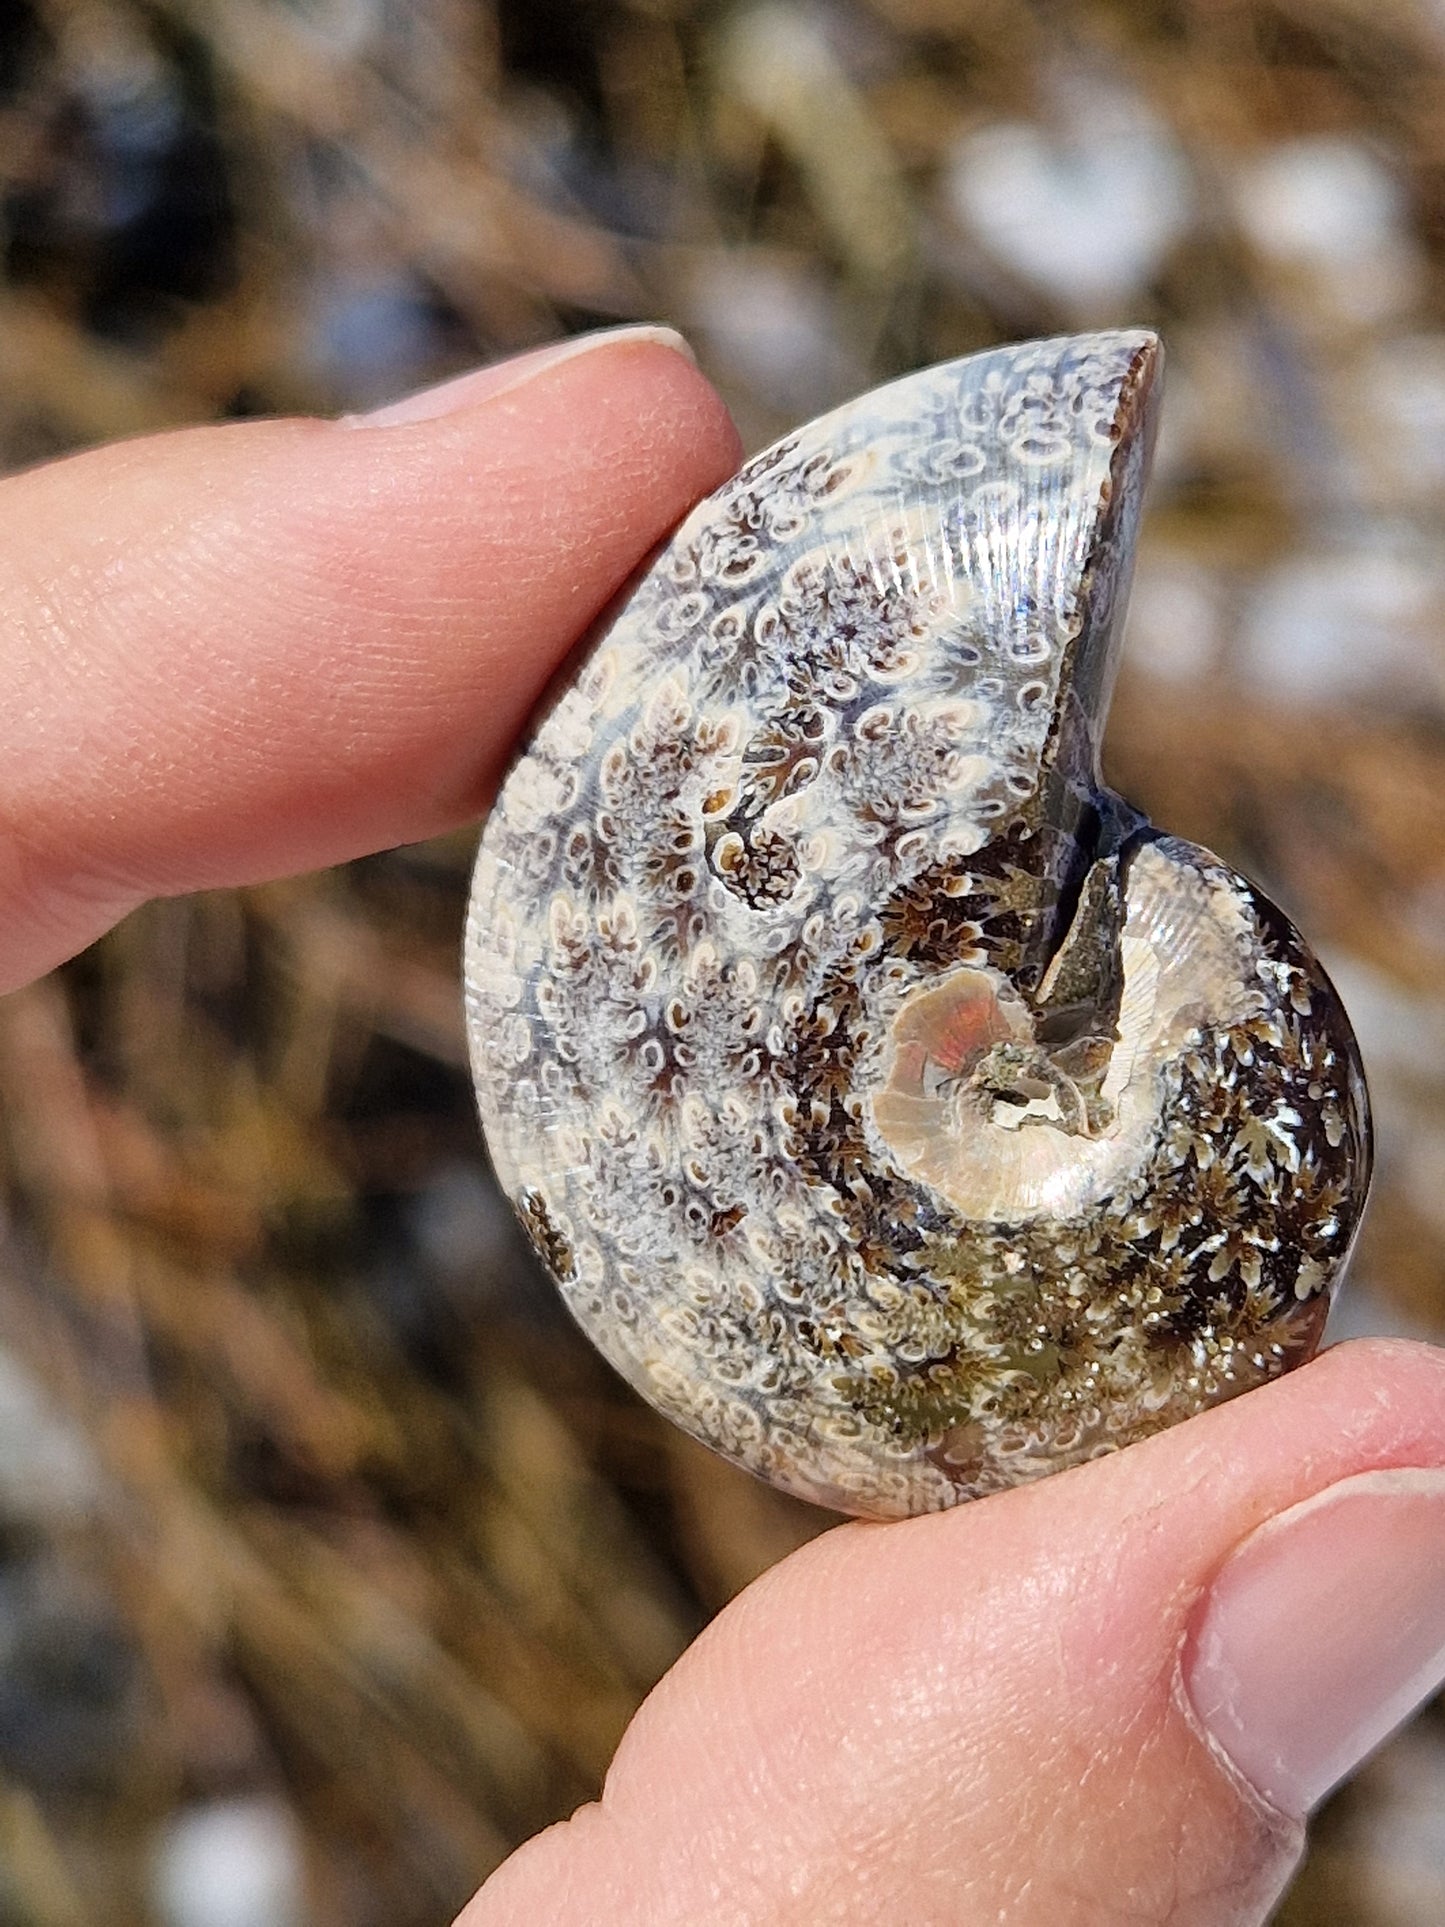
pixel 331 1561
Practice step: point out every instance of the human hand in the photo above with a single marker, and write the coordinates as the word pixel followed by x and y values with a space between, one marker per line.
pixel 1113 1696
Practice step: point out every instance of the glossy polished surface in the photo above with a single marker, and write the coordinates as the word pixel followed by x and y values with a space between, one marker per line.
pixel 894 1107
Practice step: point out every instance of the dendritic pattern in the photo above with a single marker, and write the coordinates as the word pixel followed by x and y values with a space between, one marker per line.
pixel 896 1109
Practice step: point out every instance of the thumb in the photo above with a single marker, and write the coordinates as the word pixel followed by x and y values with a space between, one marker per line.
pixel 237 652
pixel 1109 1697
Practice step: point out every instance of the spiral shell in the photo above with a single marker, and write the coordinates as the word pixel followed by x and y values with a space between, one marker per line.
pixel 896 1109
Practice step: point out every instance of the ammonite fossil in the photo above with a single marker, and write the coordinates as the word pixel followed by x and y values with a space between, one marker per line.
pixel 895 1107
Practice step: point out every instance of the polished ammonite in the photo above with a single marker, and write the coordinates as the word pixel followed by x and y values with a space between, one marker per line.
pixel 896 1109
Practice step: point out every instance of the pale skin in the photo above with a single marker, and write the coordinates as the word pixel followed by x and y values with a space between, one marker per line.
pixel 240 652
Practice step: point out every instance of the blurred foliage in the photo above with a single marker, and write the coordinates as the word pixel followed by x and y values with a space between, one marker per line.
pixel 322 1535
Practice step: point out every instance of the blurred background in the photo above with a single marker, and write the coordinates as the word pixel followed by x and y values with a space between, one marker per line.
pixel 332 1562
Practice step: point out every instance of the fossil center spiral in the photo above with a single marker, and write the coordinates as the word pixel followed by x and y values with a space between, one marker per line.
pixel 1010 1124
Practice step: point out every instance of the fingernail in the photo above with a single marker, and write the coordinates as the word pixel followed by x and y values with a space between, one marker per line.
pixel 484 384
pixel 1322 1632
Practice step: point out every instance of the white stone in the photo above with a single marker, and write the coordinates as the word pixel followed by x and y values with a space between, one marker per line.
pixel 1085 209
pixel 231 1863
pixel 769 322
pixel 1328 207
pixel 1360 618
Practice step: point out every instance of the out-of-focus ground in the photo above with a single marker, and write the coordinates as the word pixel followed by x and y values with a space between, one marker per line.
pixel 331 1561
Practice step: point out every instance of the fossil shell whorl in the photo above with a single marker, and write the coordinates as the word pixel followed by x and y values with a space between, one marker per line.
pixel 896 1109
